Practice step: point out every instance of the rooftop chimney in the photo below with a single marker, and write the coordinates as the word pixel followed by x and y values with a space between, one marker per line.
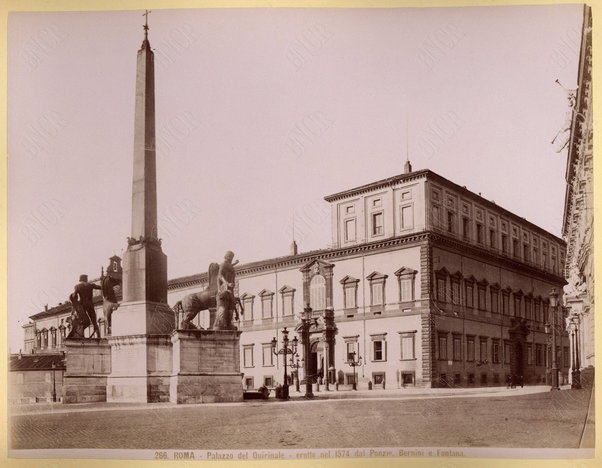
pixel 407 167
pixel 294 248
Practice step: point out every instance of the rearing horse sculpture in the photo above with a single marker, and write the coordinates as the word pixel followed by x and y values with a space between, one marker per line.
pixel 192 304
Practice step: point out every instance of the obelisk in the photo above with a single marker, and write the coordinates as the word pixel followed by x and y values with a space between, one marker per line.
pixel 140 345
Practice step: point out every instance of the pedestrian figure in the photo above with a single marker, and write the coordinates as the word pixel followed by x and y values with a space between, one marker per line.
pixel 508 381
pixel 520 379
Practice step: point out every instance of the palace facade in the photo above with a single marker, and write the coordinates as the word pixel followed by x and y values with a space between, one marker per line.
pixel 578 223
pixel 429 283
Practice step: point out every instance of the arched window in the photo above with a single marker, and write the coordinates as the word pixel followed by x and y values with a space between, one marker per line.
pixel 317 293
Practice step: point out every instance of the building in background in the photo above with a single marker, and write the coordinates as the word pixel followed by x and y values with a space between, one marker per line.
pixel 578 226
pixel 431 284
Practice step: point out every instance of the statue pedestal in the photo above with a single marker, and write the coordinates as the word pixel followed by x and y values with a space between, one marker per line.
pixel 140 353
pixel 88 363
pixel 205 366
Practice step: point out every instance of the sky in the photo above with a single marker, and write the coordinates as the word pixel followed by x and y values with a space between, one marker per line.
pixel 260 113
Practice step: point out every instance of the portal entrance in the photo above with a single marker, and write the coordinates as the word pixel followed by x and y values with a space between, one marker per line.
pixel 316 360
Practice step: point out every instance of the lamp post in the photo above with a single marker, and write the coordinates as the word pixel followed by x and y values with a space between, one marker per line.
pixel 553 306
pixel 53 383
pixel 306 322
pixel 353 363
pixel 576 374
pixel 296 364
pixel 285 350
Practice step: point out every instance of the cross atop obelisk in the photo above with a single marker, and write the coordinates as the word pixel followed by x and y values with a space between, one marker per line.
pixel 145 265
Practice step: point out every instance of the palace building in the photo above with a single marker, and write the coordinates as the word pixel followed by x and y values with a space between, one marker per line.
pixel 429 283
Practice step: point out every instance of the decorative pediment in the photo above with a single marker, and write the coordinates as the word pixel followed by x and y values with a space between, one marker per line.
pixel 442 272
pixel 375 276
pixel 456 276
pixel 483 282
pixel 265 293
pixel 405 271
pixel 247 297
pixel 495 286
pixel 470 279
pixel 286 289
pixel 316 266
pixel 349 280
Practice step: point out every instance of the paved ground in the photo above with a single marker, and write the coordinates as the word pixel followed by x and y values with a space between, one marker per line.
pixel 498 418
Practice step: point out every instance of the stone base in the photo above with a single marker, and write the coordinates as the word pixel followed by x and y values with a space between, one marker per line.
pixel 141 367
pixel 206 367
pixel 142 318
pixel 211 388
pixel 88 363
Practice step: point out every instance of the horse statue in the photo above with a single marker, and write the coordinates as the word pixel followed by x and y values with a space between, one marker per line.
pixel 206 299
pixel 109 300
pixel 79 319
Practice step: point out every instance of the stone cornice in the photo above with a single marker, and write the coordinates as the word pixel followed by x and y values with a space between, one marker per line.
pixel 388 182
pixel 471 250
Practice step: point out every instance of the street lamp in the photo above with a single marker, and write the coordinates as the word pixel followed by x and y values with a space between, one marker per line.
pixel 285 350
pixel 353 363
pixel 304 326
pixel 296 364
pixel 576 374
pixel 553 306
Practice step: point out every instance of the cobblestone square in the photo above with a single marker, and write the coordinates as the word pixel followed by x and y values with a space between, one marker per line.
pixel 536 420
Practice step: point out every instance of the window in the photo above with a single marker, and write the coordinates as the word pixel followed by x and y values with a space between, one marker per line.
pixel 268 381
pixel 377 224
pixel 436 213
pixel 546 311
pixel 379 348
pixel 268 355
pixel 288 300
pixel 350 230
pixel 515 248
pixel 248 355
pixel 377 288
pixel 45 338
pixel 53 337
pixel 528 308
pixel 492 239
pixel 538 316
pixel 526 256
pixel 377 202
pixel 317 293
pixel 408 340
pixel 505 303
pixel 517 305
pixel 507 352
pixel 529 354
pixel 349 209
pixel 266 303
pixel 470 348
pixel 351 350
pixel 465 229
pixel 494 300
pixel 479 233
pixel 539 355
pixel 450 222
pixel 457 348
pixel 378 378
pixel 63 333
pixel 469 287
pixel 247 301
pixel 504 244
pixel 405 277
pixel 442 346
pixel 249 383
pixel 406 217
pixel 441 293
pixel 483 350
pixel 455 290
pixel 481 288
pixel 350 285
pixel 495 351
pixel 535 255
